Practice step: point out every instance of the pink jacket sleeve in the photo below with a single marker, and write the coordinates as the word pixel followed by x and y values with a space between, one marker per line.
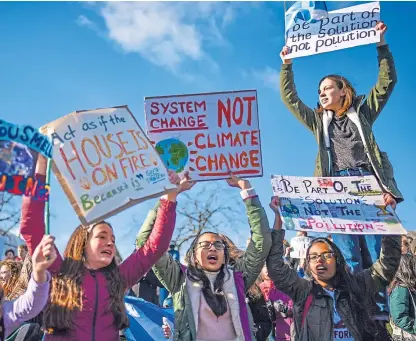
pixel 32 225
pixel 140 262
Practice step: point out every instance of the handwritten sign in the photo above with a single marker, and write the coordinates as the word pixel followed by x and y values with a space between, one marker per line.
pixel 344 28
pixel 104 162
pixel 350 205
pixel 207 134
pixel 19 148
pixel 299 246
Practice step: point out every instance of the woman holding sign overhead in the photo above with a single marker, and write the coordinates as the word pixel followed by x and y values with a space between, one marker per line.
pixel 209 294
pixel 333 304
pixel 87 296
pixel 342 124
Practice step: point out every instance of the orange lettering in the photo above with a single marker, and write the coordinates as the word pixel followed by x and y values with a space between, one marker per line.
pixel 68 161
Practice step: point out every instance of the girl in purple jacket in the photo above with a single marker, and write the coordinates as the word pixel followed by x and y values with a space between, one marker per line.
pixel 87 296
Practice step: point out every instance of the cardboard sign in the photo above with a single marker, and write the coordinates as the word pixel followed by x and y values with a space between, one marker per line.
pixel 299 246
pixel 19 148
pixel 104 162
pixel 350 205
pixel 344 28
pixel 207 134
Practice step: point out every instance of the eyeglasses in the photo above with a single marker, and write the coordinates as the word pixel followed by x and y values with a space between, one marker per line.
pixel 324 256
pixel 207 245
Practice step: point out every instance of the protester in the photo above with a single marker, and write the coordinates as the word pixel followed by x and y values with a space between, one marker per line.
pixel 21 252
pixel 9 275
pixel 31 303
pixel 163 293
pixel 282 305
pixel 87 296
pixel 334 304
pixel 209 295
pixel 342 124
pixel 9 254
pixel 405 245
pixel 148 287
pixel 402 300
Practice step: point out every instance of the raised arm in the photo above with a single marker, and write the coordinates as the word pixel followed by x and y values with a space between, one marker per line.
pixel 382 272
pixel 157 243
pixel 32 223
pixel 255 256
pixel 167 270
pixel 283 276
pixel 290 96
pixel 153 241
pixel 386 81
pixel 32 302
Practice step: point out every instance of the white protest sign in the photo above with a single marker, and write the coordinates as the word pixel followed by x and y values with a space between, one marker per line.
pixel 207 134
pixel 299 246
pixel 350 205
pixel 104 162
pixel 344 28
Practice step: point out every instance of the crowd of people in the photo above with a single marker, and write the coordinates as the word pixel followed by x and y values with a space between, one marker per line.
pixel 348 287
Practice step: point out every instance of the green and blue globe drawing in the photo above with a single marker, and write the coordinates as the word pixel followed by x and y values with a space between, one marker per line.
pixel 173 153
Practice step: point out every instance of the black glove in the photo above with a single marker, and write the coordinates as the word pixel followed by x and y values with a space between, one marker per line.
pixel 281 308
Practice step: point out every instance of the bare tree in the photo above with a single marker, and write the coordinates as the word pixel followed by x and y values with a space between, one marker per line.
pixel 9 212
pixel 214 207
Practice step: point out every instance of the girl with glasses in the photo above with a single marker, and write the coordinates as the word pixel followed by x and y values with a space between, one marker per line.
pixel 332 305
pixel 209 294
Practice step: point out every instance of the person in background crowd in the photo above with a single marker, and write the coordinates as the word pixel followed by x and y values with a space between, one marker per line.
pixel 334 304
pixel 21 252
pixel 9 254
pixel 209 294
pixel 342 125
pixel 283 306
pixel 402 293
pixel 405 245
pixel 9 275
pixel 163 293
pixel 87 296
pixel 148 287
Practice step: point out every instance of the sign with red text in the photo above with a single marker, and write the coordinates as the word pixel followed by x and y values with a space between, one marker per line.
pixel 207 134
pixel 349 205
pixel 343 28
pixel 104 162
pixel 19 149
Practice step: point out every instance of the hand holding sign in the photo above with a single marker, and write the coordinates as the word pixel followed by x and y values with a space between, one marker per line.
pixel 235 181
pixel 274 205
pixel 382 27
pixel 285 51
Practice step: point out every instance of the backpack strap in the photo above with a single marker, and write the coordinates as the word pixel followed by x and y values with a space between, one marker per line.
pixel 308 304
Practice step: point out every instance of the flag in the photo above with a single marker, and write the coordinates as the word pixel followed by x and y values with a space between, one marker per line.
pixel 308 11
pixel 146 320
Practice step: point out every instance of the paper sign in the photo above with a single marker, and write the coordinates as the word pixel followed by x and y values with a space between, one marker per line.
pixel 207 134
pixel 344 28
pixel 299 246
pixel 349 205
pixel 19 148
pixel 104 162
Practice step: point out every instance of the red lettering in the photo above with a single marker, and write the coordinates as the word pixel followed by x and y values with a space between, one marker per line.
pixel 69 160
pixel 87 158
pixel 197 144
pixel 249 101
pixel 255 138
pixel 224 111
pixel 238 119
pixel 154 108
pixel 254 159
pixel 124 143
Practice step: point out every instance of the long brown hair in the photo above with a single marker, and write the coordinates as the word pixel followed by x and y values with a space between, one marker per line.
pixel 15 268
pixel 350 94
pixel 405 274
pixel 66 294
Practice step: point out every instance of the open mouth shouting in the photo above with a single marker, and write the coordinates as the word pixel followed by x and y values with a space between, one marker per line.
pixel 324 101
pixel 212 258
pixel 107 253
pixel 321 269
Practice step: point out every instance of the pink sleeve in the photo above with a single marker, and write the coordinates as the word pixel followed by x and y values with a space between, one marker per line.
pixel 140 262
pixel 32 225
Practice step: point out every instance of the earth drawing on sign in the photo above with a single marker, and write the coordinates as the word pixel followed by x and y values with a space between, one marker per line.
pixel 173 153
